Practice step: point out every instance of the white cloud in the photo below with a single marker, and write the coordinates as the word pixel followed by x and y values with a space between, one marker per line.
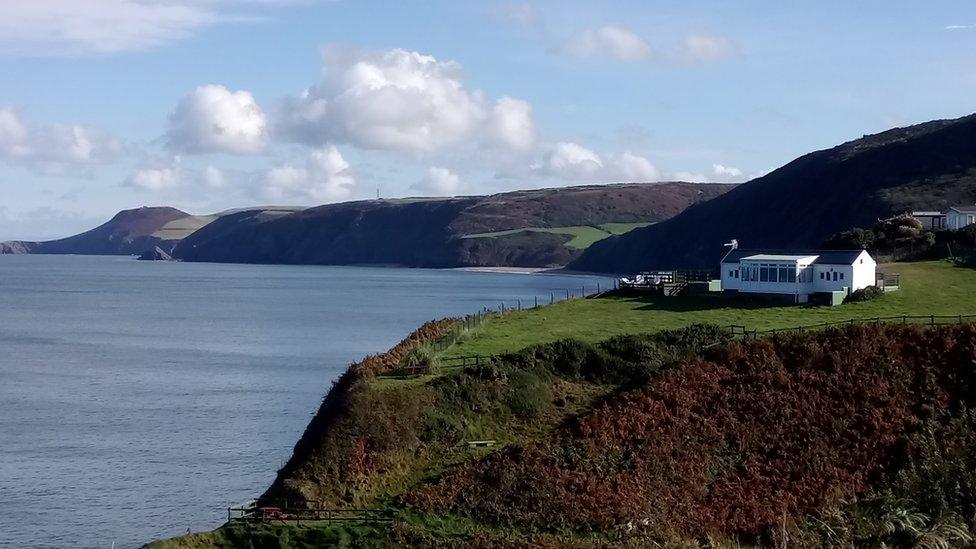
pixel 155 179
pixel 522 14
pixel 52 147
pixel 511 125
pixel 439 182
pixel 214 178
pixel 326 177
pixel 397 100
pixel 726 171
pixel 107 26
pixel 960 27
pixel 689 177
pixel 214 119
pixel 573 162
pixel 622 44
pixel 607 42
pixel 632 168
pixel 705 47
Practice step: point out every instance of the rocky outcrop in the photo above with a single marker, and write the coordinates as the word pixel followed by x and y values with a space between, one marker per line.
pixel 155 254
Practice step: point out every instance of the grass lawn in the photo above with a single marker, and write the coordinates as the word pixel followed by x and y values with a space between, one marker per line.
pixel 937 288
pixel 583 235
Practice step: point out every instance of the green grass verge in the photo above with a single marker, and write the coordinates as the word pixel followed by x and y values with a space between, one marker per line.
pixel 927 288
pixel 584 236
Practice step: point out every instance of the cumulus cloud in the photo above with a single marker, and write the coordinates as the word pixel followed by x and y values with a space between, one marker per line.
pixel 396 100
pixel 705 47
pixel 511 125
pixel 623 44
pixel 325 177
pixel 439 182
pixel 213 177
pixel 107 26
pixel 607 42
pixel 52 147
pixel 573 162
pixel 215 119
pixel 631 167
pixel 522 14
pixel 158 178
pixel 726 171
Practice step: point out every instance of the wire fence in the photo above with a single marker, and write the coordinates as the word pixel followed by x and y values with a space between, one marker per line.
pixel 473 321
pixel 297 511
pixel 926 320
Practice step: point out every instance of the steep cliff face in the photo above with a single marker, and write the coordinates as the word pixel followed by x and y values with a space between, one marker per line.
pixel 443 232
pixel 930 166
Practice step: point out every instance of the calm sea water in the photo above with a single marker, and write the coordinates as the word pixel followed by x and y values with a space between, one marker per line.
pixel 139 399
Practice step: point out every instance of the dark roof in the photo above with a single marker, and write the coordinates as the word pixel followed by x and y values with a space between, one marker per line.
pixel 969 208
pixel 824 257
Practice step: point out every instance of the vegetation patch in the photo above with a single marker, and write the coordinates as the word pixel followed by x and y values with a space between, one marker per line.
pixel 754 441
pixel 583 236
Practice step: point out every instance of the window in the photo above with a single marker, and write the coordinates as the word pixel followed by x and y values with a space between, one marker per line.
pixel 730 273
pixel 821 276
pixel 737 273
pixel 842 276
pixel 763 274
pixel 785 275
pixel 835 276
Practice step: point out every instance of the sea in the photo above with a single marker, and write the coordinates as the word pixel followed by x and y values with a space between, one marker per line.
pixel 138 400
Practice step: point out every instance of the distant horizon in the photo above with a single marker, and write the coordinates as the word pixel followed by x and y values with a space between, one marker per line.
pixel 207 105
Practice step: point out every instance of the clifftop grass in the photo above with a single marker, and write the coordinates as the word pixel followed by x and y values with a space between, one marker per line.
pixel 927 288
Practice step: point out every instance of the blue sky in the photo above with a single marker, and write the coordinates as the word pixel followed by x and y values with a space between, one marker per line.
pixel 214 104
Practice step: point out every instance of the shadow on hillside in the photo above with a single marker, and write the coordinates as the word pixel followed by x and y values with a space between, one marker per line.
pixel 685 304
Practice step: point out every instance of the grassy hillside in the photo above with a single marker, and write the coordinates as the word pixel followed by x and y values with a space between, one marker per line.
pixel 537 228
pixel 583 236
pixel 628 421
pixel 927 288
pixel 927 166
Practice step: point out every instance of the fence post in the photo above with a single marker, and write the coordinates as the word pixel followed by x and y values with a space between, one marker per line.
pixel 567 294
pixel 597 287
pixel 520 304
pixel 552 298
pixel 537 301
pixel 932 322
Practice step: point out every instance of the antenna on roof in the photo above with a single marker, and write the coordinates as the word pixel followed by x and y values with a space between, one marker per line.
pixel 733 245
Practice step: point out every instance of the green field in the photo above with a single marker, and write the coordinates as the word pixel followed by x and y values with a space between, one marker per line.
pixel 583 235
pixel 179 229
pixel 931 288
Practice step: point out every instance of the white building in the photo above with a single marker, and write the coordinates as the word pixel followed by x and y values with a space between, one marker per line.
pixel 797 274
pixel 960 216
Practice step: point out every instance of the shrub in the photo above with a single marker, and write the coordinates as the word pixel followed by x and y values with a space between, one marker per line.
pixel 528 395
pixel 752 437
pixel 869 293
pixel 420 357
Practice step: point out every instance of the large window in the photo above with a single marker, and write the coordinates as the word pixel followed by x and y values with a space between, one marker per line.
pixel 763 273
pixel 786 274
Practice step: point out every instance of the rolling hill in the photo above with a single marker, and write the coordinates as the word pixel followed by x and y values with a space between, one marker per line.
pixel 129 232
pixel 927 166
pixel 537 228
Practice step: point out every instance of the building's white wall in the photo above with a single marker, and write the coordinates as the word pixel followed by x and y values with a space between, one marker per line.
pixel 865 272
pixel 845 277
pixel 729 280
pixel 956 220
